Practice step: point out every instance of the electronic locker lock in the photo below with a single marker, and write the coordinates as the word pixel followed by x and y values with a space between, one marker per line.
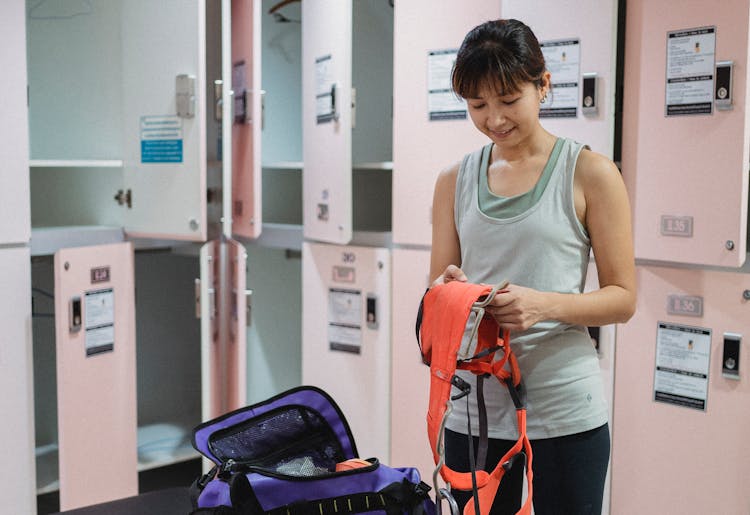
pixel 75 314
pixel 730 360
pixel 372 311
pixel 589 100
pixel 723 90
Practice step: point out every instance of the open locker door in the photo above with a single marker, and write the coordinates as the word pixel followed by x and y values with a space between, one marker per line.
pixel 427 137
pixel 327 120
pixel 346 335
pixel 247 123
pixel 581 58
pixel 687 452
pixel 685 134
pixel 14 145
pixel 96 374
pixel 16 381
pixel 164 118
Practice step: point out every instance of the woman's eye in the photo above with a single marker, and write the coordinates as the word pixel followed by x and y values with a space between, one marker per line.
pixel 477 106
pixel 510 102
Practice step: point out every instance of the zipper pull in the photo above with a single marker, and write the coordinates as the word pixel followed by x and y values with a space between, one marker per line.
pixel 226 469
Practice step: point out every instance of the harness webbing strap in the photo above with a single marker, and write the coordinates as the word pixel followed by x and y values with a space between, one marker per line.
pixel 483 430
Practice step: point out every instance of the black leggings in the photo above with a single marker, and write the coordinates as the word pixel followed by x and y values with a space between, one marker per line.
pixel 569 472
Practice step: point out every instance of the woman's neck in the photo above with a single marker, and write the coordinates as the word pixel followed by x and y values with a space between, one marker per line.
pixel 538 143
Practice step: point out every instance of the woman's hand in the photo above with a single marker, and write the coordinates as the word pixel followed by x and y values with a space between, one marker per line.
pixel 517 308
pixel 451 273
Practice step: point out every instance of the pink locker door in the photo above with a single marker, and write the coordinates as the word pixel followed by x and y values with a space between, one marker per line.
pixel 687 174
pixel 15 225
pixel 410 378
pixel 604 338
pixel 327 120
pixel 223 327
pixel 164 118
pixel 346 336
pixel 572 50
pixel 668 458
pixel 423 147
pixel 96 374
pixel 246 126
pixel 16 381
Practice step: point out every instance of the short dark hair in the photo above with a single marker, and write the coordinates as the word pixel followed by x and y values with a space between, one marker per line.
pixel 502 54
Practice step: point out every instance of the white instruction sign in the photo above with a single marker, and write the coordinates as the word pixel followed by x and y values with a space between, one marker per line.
pixel 690 71
pixel 563 59
pixel 442 102
pixel 325 92
pixel 682 363
pixel 99 313
pixel 345 320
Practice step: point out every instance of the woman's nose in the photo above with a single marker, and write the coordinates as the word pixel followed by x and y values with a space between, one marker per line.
pixel 496 119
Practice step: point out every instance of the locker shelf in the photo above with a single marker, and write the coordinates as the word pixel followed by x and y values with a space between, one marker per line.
pixel 47 240
pixel 159 445
pixel 284 165
pixel 281 236
pixel 163 444
pixel 75 163
pixel 289 236
pixel 380 165
pixel 47 479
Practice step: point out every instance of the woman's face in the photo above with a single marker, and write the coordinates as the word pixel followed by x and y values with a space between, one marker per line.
pixel 508 118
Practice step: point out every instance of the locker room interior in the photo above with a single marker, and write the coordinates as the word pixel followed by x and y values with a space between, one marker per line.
pixel 169 160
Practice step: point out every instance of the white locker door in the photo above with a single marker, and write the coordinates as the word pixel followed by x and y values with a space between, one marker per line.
pixel 565 40
pixel 669 458
pixel 686 172
pixel 423 147
pixel 164 117
pixel 346 328
pixel 246 128
pixel 15 226
pixel 96 374
pixel 410 378
pixel 327 120
pixel 16 371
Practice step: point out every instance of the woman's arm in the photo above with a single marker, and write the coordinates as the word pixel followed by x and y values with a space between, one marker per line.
pixel 445 258
pixel 602 203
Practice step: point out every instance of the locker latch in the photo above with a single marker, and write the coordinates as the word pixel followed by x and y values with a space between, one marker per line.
pixel 185 95
pixel 124 197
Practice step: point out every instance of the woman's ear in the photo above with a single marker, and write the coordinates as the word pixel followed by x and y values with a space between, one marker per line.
pixel 546 84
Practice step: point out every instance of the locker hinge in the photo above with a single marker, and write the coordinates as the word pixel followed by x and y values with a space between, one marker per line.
pixel 124 197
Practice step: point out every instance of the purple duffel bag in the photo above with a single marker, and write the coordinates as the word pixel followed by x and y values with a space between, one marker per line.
pixel 279 457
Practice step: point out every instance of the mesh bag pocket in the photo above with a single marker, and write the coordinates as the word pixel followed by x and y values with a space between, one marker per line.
pixel 291 440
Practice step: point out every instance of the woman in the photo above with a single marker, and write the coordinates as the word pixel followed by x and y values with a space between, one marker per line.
pixel 529 207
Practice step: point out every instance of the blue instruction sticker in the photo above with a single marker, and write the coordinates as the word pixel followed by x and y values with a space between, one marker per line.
pixel 161 139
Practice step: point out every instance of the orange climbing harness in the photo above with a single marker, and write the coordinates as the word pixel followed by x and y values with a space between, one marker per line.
pixel 444 314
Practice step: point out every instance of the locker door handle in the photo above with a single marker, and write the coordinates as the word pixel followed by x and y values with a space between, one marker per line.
pixel 334 102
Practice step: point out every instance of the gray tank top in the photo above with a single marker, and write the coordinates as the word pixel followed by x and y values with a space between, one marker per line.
pixel 545 247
